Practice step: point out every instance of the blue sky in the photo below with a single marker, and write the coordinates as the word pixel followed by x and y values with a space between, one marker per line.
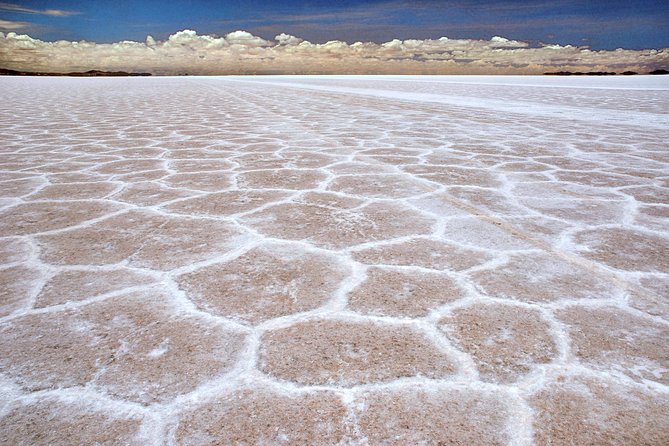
pixel 609 24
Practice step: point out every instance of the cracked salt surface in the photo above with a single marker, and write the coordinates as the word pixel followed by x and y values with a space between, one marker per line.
pixel 334 260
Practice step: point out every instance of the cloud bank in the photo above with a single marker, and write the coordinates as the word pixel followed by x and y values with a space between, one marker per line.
pixel 239 52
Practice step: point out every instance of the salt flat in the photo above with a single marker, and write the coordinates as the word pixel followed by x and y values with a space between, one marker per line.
pixel 334 260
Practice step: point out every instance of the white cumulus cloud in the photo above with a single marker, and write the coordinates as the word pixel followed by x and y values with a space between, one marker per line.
pixel 287 39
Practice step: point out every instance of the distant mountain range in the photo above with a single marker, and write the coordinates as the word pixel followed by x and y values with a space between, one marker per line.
pixel 89 73
pixel 100 73
pixel 602 73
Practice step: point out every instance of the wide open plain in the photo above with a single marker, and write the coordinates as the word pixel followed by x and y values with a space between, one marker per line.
pixel 334 260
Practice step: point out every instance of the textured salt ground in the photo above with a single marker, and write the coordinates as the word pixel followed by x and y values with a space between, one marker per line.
pixel 340 260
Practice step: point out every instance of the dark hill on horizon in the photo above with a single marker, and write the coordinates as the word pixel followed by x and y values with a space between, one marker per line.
pixel 89 73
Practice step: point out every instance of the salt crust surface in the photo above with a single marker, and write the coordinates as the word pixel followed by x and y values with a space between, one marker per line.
pixel 334 260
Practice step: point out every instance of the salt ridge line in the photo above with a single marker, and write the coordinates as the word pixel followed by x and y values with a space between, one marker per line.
pixel 528 108
pixel 504 81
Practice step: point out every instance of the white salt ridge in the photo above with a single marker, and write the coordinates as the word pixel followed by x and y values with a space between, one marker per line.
pixel 635 118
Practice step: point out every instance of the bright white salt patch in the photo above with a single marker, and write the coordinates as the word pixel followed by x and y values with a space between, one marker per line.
pixel 160 350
